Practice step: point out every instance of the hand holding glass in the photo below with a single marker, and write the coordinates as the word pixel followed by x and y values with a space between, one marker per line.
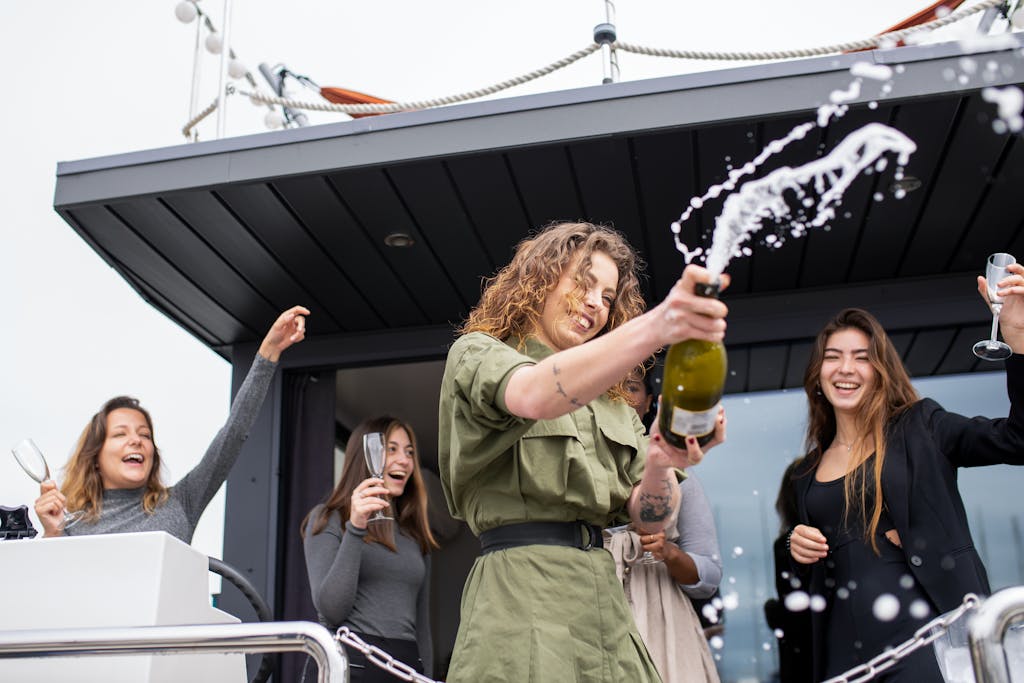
pixel 32 461
pixel 995 270
pixel 375 453
pixel 647 557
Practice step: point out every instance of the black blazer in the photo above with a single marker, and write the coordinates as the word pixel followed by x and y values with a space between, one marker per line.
pixel 924 447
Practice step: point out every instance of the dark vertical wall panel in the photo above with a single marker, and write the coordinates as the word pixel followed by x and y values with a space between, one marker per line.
pixel 289 242
pixel 545 183
pixel 830 249
pixel 492 202
pixel 886 236
pixel 221 230
pixel 332 225
pixel 665 181
pixel 203 266
pixel 374 203
pixel 430 195
pixel 972 155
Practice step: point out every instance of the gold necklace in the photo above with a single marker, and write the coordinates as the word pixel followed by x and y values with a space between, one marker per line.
pixel 849 447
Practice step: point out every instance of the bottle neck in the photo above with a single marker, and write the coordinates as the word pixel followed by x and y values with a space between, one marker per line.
pixel 707 289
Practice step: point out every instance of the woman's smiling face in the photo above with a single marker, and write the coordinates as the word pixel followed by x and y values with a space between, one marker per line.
pixel 562 324
pixel 126 458
pixel 399 462
pixel 847 376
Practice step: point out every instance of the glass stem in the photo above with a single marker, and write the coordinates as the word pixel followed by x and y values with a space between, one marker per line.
pixel 995 325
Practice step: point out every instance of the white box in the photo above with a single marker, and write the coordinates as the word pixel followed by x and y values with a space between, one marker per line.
pixel 122 580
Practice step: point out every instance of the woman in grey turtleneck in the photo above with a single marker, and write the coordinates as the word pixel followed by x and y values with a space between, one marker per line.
pixel 114 473
pixel 373 576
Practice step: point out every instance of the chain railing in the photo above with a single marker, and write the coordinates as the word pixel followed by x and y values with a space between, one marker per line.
pixel 380 658
pixel 926 635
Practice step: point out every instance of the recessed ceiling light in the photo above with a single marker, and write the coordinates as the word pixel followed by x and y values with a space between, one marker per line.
pixel 399 240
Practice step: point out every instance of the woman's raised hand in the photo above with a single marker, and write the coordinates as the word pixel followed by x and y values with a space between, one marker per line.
pixel 288 329
pixel 807 544
pixel 49 508
pixel 685 315
pixel 367 498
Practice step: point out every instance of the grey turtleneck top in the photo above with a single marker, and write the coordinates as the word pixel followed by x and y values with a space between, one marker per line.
pixel 366 586
pixel 122 510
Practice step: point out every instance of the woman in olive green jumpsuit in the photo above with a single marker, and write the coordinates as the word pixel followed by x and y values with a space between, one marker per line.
pixel 538 451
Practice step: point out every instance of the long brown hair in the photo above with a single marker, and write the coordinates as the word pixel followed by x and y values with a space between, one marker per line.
pixel 410 507
pixel 892 394
pixel 513 299
pixel 83 485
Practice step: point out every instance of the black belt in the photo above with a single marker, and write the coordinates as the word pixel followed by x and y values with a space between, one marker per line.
pixel 578 534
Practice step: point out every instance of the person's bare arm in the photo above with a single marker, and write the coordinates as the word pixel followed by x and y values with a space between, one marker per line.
pixel 571 378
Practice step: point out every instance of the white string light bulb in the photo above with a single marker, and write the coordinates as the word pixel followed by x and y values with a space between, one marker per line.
pixel 236 69
pixel 214 44
pixel 273 120
pixel 186 11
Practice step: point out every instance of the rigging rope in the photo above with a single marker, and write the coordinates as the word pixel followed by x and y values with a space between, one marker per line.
pixel 880 40
pixel 438 102
pixel 876 41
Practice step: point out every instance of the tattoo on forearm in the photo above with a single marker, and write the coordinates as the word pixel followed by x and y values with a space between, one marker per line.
pixel 561 390
pixel 655 508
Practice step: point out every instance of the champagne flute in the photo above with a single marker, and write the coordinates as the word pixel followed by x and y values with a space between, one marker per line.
pixel 995 270
pixel 31 459
pixel 374 452
pixel 647 557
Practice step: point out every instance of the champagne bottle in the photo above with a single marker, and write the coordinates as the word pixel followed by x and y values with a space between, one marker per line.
pixel 692 386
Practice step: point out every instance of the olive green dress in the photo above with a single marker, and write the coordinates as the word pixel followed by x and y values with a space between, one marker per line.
pixel 537 613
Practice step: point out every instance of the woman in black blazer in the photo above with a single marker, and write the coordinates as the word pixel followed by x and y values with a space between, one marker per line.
pixel 887 564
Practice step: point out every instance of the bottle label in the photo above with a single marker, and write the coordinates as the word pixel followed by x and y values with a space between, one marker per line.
pixel 693 423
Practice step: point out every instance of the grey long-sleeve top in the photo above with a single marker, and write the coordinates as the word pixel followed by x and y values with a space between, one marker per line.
pixel 366 586
pixel 122 508
pixel 698 538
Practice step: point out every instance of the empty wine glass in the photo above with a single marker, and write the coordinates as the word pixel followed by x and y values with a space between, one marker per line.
pixel 32 461
pixel 374 451
pixel 995 270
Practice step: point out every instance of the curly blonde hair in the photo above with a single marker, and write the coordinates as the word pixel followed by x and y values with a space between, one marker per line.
pixel 513 300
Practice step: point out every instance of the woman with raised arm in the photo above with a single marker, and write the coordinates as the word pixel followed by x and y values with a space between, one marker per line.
pixel 374 576
pixel 883 530
pixel 114 473
pixel 538 451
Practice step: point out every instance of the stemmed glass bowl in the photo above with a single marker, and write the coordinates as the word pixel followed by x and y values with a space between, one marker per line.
pixel 31 459
pixel 995 270
pixel 375 454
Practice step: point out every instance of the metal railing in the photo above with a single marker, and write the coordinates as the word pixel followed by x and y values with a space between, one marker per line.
pixel 986 630
pixel 282 636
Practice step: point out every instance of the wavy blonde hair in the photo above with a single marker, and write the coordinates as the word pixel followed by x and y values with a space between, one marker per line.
pixel 83 485
pixel 513 300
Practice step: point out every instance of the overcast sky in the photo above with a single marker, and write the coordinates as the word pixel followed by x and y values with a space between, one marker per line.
pixel 88 78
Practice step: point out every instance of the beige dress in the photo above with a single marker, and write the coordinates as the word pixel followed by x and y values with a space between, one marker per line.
pixel 664 616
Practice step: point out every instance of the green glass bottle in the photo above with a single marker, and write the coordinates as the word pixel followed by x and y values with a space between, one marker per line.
pixel 692 386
